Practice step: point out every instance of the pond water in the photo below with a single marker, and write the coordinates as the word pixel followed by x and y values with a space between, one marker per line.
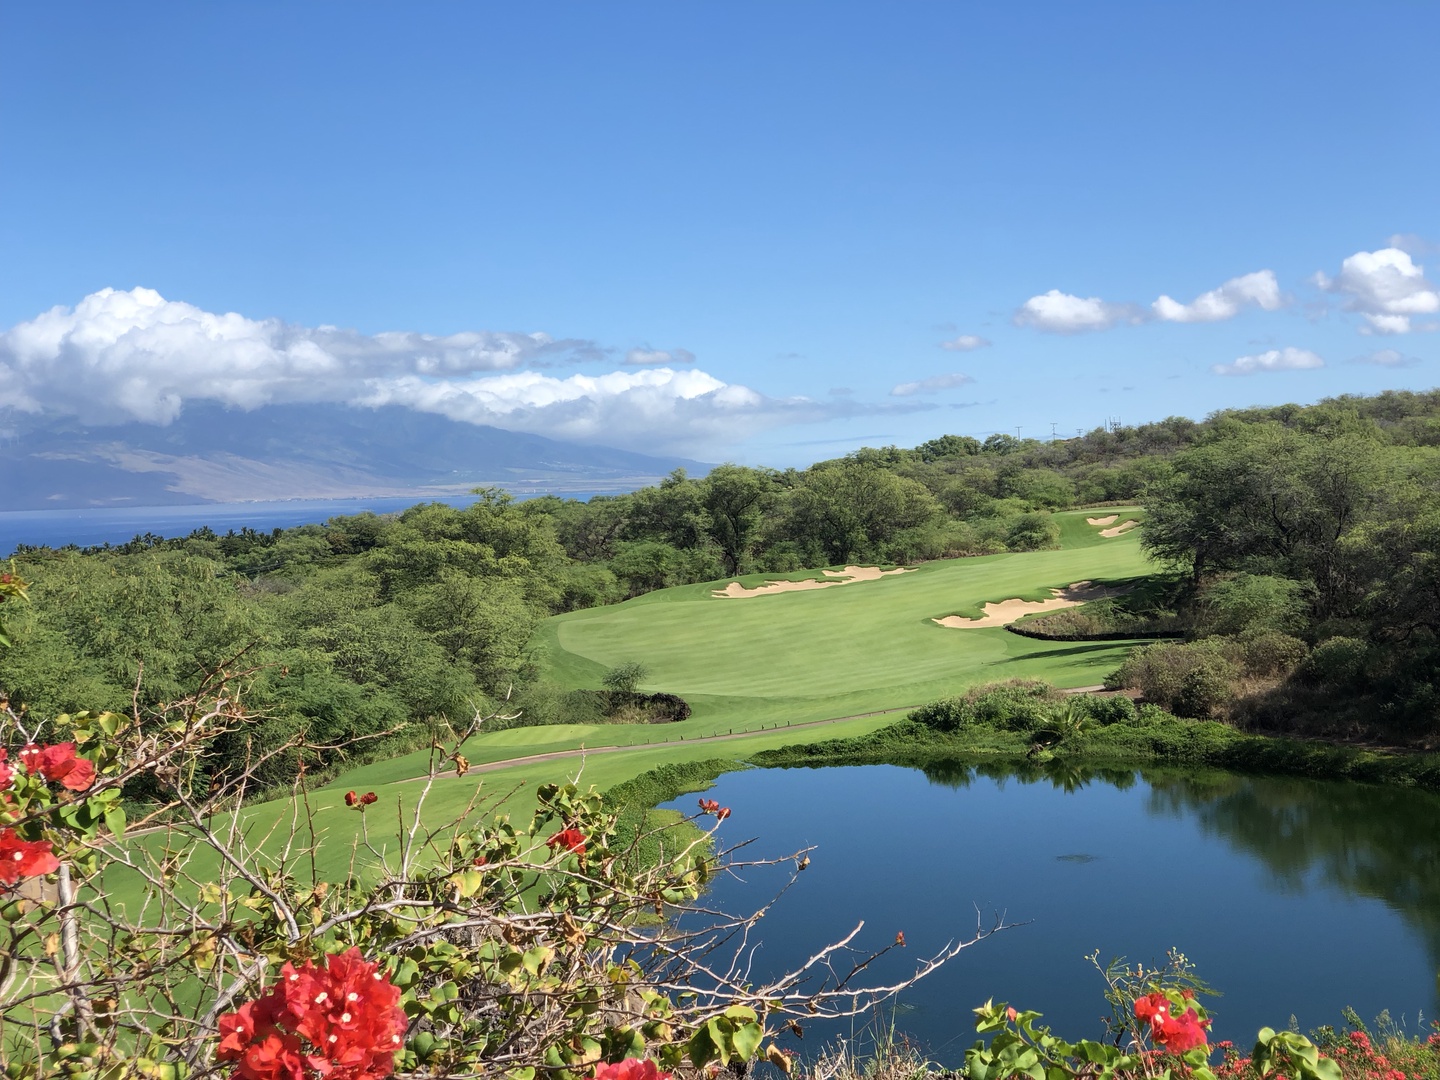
pixel 1291 897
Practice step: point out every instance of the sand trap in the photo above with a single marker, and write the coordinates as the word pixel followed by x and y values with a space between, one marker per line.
pixel 1124 526
pixel 1102 521
pixel 849 576
pixel 1007 611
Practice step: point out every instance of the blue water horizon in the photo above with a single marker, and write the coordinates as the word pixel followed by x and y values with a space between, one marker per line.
pixel 97 526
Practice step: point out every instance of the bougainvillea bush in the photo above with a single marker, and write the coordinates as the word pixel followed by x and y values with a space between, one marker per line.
pixel 159 937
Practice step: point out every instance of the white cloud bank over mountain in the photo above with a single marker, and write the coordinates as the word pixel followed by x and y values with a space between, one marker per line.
pixel 1387 287
pixel 124 356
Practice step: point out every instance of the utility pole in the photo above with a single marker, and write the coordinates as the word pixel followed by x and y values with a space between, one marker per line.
pixel 1052 430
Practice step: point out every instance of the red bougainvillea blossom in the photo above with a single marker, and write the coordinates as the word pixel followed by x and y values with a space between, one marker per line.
pixel 24 858
pixel 57 763
pixel 1174 1033
pixel 631 1069
pixel 569 839
pixel 339 1022
pixel 7 774
pixel 708 806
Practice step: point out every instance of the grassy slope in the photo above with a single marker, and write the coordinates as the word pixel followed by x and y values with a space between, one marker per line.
pixel 753 665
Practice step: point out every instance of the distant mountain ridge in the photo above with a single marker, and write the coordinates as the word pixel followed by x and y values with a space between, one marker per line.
pixel 214 454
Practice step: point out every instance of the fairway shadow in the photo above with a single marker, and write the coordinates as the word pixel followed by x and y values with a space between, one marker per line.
pixel 1075 650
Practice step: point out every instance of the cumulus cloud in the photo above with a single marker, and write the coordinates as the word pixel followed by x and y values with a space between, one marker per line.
pixel 1060 313
pixel 1387 287
pixel 1391 358
pixel 644 357
pixel 1286 359
pixel 965 343
pixel 1259 289
pixel 135 356
pixel 932 385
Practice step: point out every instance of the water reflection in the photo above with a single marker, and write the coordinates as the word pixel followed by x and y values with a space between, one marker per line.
pixel 1293 896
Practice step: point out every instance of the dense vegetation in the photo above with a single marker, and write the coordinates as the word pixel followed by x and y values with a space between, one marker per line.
pixel 1302 541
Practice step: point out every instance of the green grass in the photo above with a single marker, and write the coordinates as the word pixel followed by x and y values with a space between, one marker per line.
pixel 847 649
pixel 756 665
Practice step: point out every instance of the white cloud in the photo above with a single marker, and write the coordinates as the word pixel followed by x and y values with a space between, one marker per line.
pixel 1259 289
pixel 1286 359
pixel 1414 244
pixel 932 385
pixel 1060 313
pixel 1386 287
pixel 1392 358
pixel 648 356
pixel 137 356
pixel 965 343
pixel 127 356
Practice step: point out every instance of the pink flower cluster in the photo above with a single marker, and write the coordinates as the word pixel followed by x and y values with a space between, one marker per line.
pixel 631 1069
pixel 339 1022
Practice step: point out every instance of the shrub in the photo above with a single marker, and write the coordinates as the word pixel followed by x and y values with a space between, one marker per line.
pixel 1338 663
pixel 1272 653
pixel 1033 532
pixel 1104 711
pixel 626 677
pixel 1190 679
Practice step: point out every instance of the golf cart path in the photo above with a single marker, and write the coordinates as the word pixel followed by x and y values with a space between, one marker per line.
pixel 581 751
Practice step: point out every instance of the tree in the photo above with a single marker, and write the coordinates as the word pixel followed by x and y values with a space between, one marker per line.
pixel 734 499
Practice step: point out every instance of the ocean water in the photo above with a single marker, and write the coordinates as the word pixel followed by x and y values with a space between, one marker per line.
pixel 116 525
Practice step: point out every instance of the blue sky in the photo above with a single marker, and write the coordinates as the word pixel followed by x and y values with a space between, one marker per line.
pixel 745 231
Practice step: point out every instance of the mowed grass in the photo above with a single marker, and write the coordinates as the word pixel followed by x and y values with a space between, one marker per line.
pixel 751 667
pixel 789 657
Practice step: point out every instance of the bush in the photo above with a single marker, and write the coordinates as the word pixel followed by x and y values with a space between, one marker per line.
pixel 1337 663
pixel 1104 711
pixel 1019 705
pixel 1271 653
pixel 626 677
pixel 1191 679
pixel 1033 532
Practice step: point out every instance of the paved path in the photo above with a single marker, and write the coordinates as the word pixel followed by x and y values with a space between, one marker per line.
pixel 581 751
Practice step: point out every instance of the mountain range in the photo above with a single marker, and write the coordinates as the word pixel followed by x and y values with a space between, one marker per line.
pixel 214 454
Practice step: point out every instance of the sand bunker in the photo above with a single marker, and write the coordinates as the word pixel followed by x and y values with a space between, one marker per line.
pixel 1102 520
pixel 1124 526
pixel 1007 611
pixel 849 576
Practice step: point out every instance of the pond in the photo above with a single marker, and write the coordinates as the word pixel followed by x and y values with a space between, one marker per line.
pixel 1291 897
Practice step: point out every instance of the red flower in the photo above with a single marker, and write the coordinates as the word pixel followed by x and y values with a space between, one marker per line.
pixel 1175 1033
pixel 24 858
pixel 351 799
pixel 900 937
pixel 7 774
pixel 30 755
pixel 59 763
pixel 722 813
pixel 340 1022
pixel 709 806
pixel 368 798
pixel 569 839
pixel 631 1069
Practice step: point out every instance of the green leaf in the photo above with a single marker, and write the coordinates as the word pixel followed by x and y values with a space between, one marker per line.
pixel 747 1039
pixel 115 821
